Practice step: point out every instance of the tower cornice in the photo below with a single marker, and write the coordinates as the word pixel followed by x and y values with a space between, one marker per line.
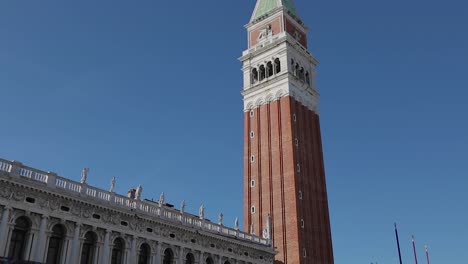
pixel 276 11
pixel 259 49
pixel 280 87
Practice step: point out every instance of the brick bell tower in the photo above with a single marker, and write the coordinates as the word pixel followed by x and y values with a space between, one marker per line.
pixel 284 173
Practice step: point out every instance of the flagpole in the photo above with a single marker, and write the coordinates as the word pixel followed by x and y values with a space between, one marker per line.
pixel 414 249
pixel 398 243
pixel 427 253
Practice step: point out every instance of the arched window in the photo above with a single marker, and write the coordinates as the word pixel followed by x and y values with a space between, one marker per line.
pixel 277 66
pixel 262 72
pixel 307 78
pixel 18 238
pixel 55 244
pixel 209 260
pixel 269 69
pixel 189 259
pixel 296 70
pixel 168 256
pixel 301 74
pixel 144 254
pixel 89 244
pixel 117 251
pixel 254 76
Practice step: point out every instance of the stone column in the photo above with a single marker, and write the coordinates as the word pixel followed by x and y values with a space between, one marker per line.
pixel 67 249
pixel 181 255
pixel 106 248
pixel 133 253
pixel 126 253
pixel 154 253
pixel 74 255
pixel 202 259
pixel 9 233
pixel 97 250
pixel 158 254
pixel 39 249
pixel 220 259
pixel 31 244
pixel 4 230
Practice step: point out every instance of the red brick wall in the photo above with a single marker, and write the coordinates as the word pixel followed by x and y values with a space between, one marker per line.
pixel 291 28
pixel 275 26
pixel 278 182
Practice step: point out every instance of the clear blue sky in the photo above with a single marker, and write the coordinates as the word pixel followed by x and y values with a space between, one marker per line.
pixel 149 92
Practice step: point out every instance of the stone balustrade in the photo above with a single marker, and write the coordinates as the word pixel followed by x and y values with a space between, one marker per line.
pixel 73 188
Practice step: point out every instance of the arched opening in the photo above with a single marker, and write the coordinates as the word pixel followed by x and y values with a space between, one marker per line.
pixel 296 70
pixel 254 76
pixel 277 66
pixel 262 72
pixel 307 78
pixel 117 251
pixel 18 238
pixel 189 259
pixel 144 254
pixel 269 69
pixel 209 260
pixel 227 262
pixel 168 256
pixel 89 244
pixel 301 74
pixel 54 249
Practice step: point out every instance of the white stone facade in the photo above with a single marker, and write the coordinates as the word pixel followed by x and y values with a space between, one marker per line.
pixel 50 219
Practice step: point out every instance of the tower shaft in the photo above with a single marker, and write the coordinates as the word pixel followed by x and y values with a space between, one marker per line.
pixel 284 172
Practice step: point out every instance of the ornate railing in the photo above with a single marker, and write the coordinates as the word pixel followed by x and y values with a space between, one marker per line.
pixel 52 180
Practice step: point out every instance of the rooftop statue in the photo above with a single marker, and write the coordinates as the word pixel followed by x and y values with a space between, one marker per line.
pixel 182 207
pixel 201 212
pixel 138 192
pixel 161 200
pixel 220 219
pixel 84 175
pixel 112 185
pixel 267 230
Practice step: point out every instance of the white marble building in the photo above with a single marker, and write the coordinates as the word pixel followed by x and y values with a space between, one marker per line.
pixel 46 218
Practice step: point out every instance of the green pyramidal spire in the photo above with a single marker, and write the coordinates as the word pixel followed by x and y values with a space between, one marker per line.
pixel 264 7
